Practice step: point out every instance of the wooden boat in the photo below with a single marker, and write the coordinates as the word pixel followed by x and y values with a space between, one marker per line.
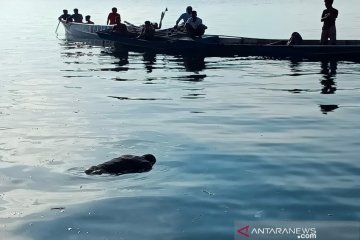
pixel 216 45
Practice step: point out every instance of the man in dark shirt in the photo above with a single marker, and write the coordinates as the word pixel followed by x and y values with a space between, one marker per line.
pixel 329 16
pixel 87 19
pixel 148 31
pixel 64 16
pixel 77 17
pixel 111 20
pixel 119 27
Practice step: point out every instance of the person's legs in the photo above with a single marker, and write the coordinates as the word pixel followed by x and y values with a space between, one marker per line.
pixel 324 37
pixel 200 30
pixel 332 35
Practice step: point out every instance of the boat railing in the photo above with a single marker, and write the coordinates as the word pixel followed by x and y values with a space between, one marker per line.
pixel 90 28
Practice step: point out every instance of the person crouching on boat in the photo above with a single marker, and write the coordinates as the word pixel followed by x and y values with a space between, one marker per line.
pixel 148 31
pixel 295 39
pixel 194 26
pixel 87 19
pixel 77 17
pixel 155 25
pixel 119 27
pixel 329 16
pixel 65 16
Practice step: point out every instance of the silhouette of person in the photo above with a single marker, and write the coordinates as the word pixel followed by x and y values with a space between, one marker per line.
pixel 87 19
pixel 329 16
pixel 185 16
pixel 111 20
pixel 147 32
pixel 65 16
pixel 194 25
pixel 119 27
pixel 77 17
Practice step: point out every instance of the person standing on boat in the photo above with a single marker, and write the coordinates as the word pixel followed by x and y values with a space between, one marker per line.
pixel 185 16
pixel 87 19
pixel 194 25
pixel 111 20
pixel 329 16
pixel 65 16
pixel 77 17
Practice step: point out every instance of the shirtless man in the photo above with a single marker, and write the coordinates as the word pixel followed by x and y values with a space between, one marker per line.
pixel 111 20
pixel 329 16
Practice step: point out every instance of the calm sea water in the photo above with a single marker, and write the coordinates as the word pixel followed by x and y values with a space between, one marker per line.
pixel 235 138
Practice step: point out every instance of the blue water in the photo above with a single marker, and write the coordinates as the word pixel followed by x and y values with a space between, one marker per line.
pixel 235 138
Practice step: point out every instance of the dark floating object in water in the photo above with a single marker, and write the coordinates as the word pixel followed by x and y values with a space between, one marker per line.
pixel 58 208
pixel 328 108
pixel 140 99
pixel 124 164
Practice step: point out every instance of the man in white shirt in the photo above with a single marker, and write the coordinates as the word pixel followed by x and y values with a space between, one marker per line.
pixel 194 25
pixel 185 16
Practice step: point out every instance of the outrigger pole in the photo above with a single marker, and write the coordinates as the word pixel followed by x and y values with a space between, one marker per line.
pixel 162 17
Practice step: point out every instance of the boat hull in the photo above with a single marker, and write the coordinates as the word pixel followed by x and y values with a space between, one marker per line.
pixel 83 31
pixel 205 46
pixel 214 45
pixel 305 51
pixel 75 31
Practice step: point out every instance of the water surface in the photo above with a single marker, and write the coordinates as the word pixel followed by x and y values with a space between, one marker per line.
pixel 235 138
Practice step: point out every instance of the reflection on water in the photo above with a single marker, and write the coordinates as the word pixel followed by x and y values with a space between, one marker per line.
pixel 123 61
pixel 192 78
pixel 76 49
pixel 139 99
pixel 194 63
pixel 328 69
pixel 191 63
pixel 328 84
pixel 149 61
pixel 295 67
pixel 325 108
pixel 123 57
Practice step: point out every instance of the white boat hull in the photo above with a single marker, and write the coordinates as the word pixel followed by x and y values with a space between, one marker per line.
pixel 74 31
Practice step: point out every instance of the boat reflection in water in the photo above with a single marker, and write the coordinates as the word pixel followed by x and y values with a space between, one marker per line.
pixel 123 59
pixel 194 63
pixel 191 63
